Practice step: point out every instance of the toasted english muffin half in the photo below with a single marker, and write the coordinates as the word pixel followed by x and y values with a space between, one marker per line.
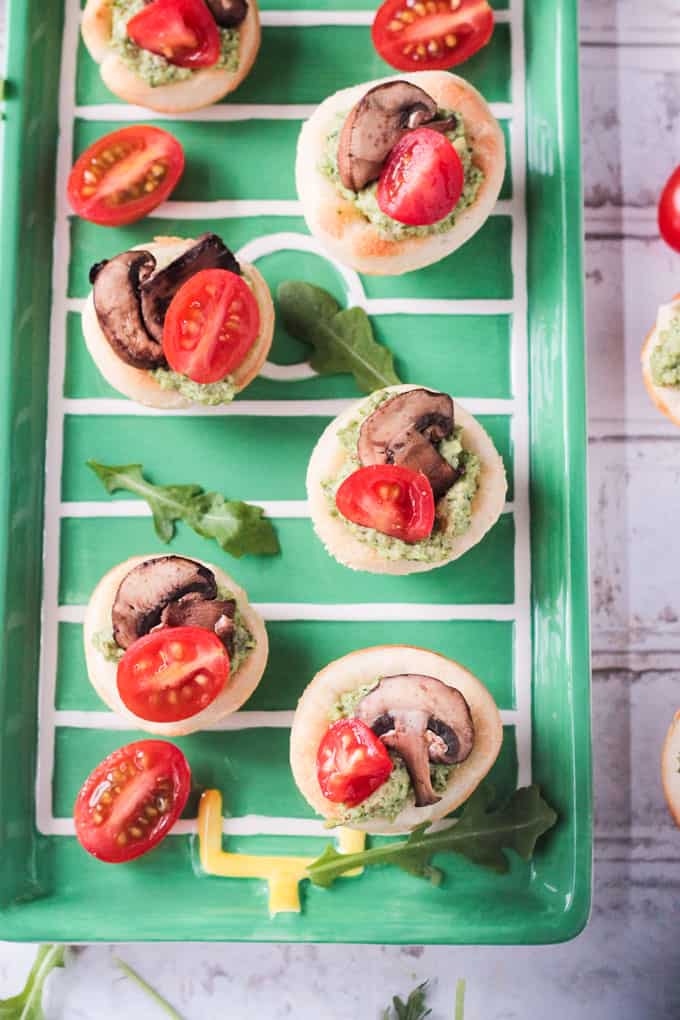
pixel 345 232
pixel 103 673
pixel 666 398
pixel 314 714
pixel 138 383
pixel 204 87
pixel 670 768
pixel 328 459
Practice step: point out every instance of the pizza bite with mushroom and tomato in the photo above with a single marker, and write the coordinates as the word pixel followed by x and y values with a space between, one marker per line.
pixel 172 56
pixel 396 174
pixel 177 323
pixel 404 481
pixel 661 360
pixel 387 738
pixel 172 644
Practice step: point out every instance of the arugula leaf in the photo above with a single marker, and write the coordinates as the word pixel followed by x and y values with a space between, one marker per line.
pixel 27 1005
pixel 413 1009
pixel 342 339
pixel 237 527
pixel 146 987
pixel 480 834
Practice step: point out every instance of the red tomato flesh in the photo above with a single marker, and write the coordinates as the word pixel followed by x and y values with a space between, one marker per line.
pixel 182 31
pixel 428 35
pixel 211 325
pixel 351 762
pixel 124 175
pixel 172 673
pixel 669 211
pixel 422 179
pixel 129 803
pixel 393 500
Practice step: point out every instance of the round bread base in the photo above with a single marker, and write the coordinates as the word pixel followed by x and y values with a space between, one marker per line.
pixel 312 719
pixel 670 768
pixel 202 89
pixel 103 673
pixel 328 459
pixel 666 398
pixel 345 232
pixel 137 383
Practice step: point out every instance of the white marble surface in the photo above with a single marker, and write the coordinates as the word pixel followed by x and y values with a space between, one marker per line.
pixel 625 965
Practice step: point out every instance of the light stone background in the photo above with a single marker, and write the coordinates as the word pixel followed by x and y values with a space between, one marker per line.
pixel 626 965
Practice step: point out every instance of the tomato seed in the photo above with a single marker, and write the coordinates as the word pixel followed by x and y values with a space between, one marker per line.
pixel 135 832
pixel 186 692
pixel 121 839
pixel 151 811
pixel 450 40
pixel 172 697
pixel 201 679
pixel 176 648
pixel 395 26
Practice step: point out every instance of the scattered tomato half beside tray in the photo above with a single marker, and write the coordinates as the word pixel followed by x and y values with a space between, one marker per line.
pixel 131 800
pixel 669 211
pixel 414 35
pixel 123 176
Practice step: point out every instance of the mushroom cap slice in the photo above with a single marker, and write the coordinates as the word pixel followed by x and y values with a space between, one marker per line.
pixel 194 610
pixel 116 285
pixel 374 126
pixel 423 720
pixel 145 592
pixel 404 430
pixel 228 13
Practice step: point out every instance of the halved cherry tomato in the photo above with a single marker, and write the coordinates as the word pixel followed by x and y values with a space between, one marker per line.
pixel 394 500
pixel 172 673
pixel 129 803
pixel 182 31
pixel 422 179
pixel 351 762
pixel 125 175
pixel 211 324
pixel 669 211
pixel 426 35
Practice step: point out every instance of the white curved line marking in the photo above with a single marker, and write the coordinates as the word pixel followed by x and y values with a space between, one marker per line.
pixel 298 372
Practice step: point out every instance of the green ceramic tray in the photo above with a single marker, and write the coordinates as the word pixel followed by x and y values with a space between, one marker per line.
pixel 498 324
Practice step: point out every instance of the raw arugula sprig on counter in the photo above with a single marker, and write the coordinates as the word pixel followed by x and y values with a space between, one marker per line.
pixel 237 527
pixel 415 1007
pixel 482 834
pixel 342 338
pixel 27 1005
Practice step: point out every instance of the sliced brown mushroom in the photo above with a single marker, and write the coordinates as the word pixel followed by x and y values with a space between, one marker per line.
pixel 376 123
pixel 149 587
pixel 116 284
pixel 194 610
pixel 405 429
pixel 228 13
pixel 423 720
pixel 156 292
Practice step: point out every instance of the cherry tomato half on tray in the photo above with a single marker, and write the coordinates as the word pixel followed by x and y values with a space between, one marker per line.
pixel 428 35
pixel 211 325
pixel 351 762
pixel 182 31
pixel 394 500
pixel 124 175
pixel 172 673
pixel 669 211
pixel 129 803
pixel 422 179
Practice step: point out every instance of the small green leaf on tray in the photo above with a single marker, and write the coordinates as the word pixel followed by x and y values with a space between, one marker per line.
pixel 146 987
pixel 481 834
pixel 342 339
pixel 237 527
pixel 27 1005
pixel 415 1007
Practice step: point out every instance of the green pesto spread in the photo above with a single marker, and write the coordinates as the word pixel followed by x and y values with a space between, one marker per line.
pixel 366 200
pixel 210 394
pixel 453 512
pixel 243 641
pixel 154 69
pixel 665 357
pixel 396 793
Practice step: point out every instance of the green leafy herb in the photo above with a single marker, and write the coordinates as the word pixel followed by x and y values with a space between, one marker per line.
pixel 27 1005
pixel 237 527
pixel 413 1009
pixel 157 998
pixel 342 339
pixel 480 834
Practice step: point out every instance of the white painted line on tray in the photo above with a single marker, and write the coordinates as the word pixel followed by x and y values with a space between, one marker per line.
pixel 399 306
pixel 355 612
pixel 55 431
pixel 299 372
pixel 280 508
pixel 111 721
pixel 520 423
pixel 226 209
pixel 303 19
pixel 256 408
